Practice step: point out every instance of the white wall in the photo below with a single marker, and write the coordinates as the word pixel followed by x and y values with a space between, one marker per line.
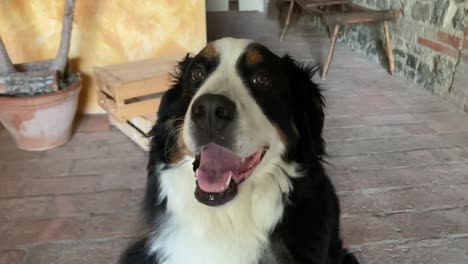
pixel 251 5
pixel 244 5
pixel 217 5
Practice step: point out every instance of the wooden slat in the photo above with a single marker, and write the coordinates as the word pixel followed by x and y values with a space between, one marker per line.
pixel 142 70
pixel 354 7
pixel 359 17
pixel 151 118
pixel 108 105
pixel 143 124
pixel 105 81
pixel 131 132
pixel 138 109
pixel 315 11
pixel 127 111
pixel 316 3
pixel 154 85
pixel 391 62
pixel 331 51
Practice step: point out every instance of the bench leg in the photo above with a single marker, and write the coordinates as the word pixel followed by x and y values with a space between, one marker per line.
pixel 389 48
pixel 331 51
pixel 330 30
pixel 288 19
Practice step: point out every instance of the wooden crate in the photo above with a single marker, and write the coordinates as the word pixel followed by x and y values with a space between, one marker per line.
pixel 137 129
pixel 134 89
pixel 131 93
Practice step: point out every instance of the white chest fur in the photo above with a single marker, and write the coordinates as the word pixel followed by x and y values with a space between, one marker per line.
pixel 237 232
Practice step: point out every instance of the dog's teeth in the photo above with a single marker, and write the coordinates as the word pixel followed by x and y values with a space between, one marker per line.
pixel 229 179
pixel 196 173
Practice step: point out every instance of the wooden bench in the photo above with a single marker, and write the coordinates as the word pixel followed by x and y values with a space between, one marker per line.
pixel 335 14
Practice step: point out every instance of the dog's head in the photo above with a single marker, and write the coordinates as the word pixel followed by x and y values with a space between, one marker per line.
pixel 237 109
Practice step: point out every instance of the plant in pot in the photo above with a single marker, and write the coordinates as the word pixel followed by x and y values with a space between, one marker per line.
pixel 38 100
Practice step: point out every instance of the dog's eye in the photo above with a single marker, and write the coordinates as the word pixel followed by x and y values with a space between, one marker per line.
pixel 197 73
pixel 261 79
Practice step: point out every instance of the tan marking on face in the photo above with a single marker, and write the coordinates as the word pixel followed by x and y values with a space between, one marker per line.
pixel 253 56
pixel 170 123
pixel 179 150
pixel 209 51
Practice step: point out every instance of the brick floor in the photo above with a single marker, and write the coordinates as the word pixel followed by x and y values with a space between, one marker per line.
pixel 398 158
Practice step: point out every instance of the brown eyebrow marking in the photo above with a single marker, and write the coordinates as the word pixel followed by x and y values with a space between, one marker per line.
pixel 253 56
pixel 209 51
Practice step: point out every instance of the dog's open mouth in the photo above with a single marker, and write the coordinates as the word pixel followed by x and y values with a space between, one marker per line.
pixel 219 171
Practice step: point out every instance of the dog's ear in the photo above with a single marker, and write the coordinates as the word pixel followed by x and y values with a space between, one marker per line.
pixel 171 110
pixel 308 106
pixel 174 94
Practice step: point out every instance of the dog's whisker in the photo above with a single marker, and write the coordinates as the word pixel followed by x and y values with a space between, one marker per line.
pixel 175 131
pixel 179 141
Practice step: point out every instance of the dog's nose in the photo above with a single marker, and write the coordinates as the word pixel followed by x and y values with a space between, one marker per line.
pixel 213 112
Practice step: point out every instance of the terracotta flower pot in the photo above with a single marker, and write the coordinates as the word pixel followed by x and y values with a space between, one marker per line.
pixel 41 122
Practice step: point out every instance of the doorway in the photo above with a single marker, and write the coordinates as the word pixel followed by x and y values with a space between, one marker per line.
pixel 235 5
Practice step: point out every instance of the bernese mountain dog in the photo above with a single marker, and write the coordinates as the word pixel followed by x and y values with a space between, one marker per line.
pixel 235 172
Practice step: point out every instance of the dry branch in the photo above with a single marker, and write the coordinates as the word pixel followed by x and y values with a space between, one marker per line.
pixel 5 63
pixel 61 59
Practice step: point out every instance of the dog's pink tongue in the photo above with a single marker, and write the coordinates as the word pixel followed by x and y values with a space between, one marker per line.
pixel 218 166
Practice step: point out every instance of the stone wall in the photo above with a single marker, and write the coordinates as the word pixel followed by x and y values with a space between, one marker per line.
pixel 429 40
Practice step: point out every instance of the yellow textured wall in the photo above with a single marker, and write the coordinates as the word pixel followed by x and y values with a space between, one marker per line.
pixel 104 32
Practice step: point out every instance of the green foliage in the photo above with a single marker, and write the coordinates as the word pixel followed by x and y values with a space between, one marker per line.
pixel 68 80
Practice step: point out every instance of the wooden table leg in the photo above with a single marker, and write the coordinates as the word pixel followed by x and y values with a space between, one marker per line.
pixel 288 20
pixel 331 51
pixel 391 62
pixel 330 30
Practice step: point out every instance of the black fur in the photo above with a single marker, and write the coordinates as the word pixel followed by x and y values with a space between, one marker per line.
pixel 308 232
